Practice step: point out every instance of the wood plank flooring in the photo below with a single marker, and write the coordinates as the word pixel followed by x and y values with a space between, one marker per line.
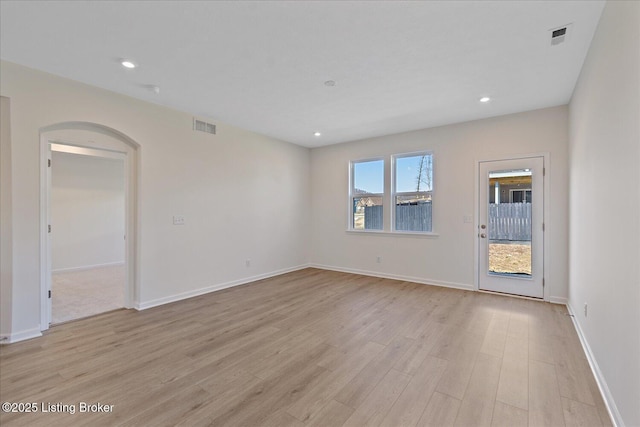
pixel 312 348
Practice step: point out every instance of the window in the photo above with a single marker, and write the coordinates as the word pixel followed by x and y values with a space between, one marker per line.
pixel 410 186
pixel 412 192
pixel 521 196
pixel 367 190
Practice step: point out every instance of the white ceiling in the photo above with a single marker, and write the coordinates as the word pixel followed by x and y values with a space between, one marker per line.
pixel 398 66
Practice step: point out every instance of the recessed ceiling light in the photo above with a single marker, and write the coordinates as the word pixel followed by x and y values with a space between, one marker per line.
pixel 317 134
pixel 485 99
pixel 330 83
pixel 128 64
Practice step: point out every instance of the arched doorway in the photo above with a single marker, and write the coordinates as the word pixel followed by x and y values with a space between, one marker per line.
pixel 99 141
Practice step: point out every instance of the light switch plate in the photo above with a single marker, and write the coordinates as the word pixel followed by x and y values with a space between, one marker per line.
pixel 178 220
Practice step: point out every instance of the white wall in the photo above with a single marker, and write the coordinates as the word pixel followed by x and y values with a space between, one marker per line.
pixel 243 195
pixel 449 258
pixel 87 211
pixel 6 240
pixel 605 206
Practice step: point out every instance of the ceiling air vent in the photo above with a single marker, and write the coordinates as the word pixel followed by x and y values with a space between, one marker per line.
pixel 201 126
pixel 560 35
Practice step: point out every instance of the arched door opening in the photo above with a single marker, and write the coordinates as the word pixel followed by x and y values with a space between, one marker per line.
pixel 88 221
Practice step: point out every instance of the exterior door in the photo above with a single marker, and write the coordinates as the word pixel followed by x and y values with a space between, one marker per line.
pixel 510 232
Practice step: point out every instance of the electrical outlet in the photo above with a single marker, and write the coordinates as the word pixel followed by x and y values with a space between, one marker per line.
pixel 178 220
pixel 247 263
pixel 585 309
pixel 467 219
pixel 378 259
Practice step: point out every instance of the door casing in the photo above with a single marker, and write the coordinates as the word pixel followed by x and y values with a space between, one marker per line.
pixel 119 143
pixel 545 261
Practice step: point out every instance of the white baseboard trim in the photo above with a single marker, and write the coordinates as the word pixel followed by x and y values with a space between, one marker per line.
pixel 196 292
pixel 86 267
pixel 597 373
pixel 423 281
pixel 20 336
pixel 558 300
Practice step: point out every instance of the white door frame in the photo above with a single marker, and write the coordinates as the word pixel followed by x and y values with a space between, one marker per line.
pixel 545 261
pixel 120 147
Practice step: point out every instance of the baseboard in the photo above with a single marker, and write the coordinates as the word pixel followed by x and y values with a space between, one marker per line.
pixel 86 267
pixel 558 300
pixel 602 383
pixel 196 292
pixel 20 336
pixel 423 281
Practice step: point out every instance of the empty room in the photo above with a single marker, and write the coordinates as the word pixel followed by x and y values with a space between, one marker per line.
pixel 320 213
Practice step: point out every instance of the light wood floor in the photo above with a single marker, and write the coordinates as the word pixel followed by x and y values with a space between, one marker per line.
pixel 313 348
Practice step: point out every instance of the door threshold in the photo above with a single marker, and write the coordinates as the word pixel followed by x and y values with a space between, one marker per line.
pixel 66 322
pixel 511 295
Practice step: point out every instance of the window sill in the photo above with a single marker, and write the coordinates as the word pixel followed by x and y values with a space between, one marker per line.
pixel 429 235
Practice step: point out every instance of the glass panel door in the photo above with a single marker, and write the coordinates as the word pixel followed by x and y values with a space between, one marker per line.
pixel 510 232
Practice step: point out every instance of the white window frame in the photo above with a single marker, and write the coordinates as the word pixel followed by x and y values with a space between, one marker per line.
pixel 395 194
pixel 353 194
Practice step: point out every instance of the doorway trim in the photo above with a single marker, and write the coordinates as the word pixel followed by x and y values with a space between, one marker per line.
pixel 546 187
pixel 130 149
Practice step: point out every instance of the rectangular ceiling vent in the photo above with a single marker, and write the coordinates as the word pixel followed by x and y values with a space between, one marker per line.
pixel 560 35
pixel 201 126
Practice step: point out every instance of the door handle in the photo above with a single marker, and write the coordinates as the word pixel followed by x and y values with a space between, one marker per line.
pixel 483 235
pixel 483 226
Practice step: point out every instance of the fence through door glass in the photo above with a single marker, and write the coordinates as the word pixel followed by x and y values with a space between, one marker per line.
pixel 509 222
